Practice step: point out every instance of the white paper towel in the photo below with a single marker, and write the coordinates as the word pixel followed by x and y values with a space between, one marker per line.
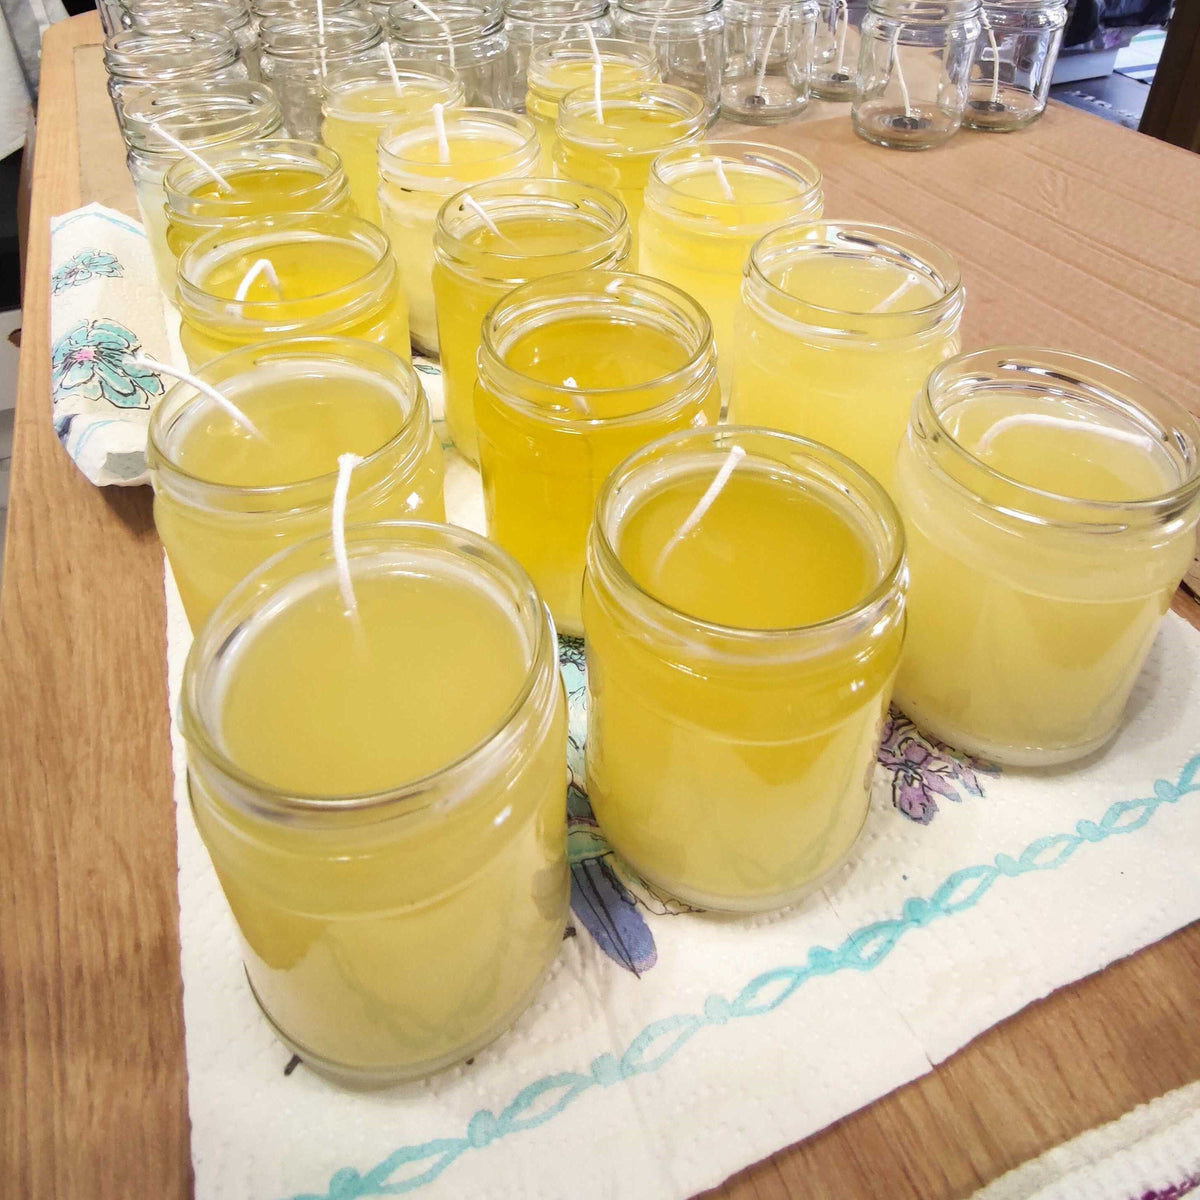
pixel 971 893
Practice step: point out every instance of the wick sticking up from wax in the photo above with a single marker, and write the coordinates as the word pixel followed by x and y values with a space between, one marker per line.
pixel 208 168
pixel 321 35
pixel 261 266
pixel 735 456
pixel 445 29
pixel 219 399
pixel 470 202
pixel 597 73
pixel 991 37
pixel 722 179
pixel 909 281
pixel 391 66
pixel 341 493
pixel 908 109
pixel 843 26
pixel 762 71
pixel 1120 435
pixel 439 128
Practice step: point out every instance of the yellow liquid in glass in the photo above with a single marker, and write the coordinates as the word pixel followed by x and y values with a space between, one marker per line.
pixel 532 246
pixel 543 462
pixel 1024 644
pixel 399 946
pixel 851 392
pixel 409 216
pixel 306 423
pixel 736 783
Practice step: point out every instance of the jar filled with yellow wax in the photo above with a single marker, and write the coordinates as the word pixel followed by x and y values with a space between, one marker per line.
pixel 577 371
pixel 260 178
pixel 743 609
pixel 419 171
pixel 838 328
pixel 383 804
pixel 467 35
pixel 531 23
pixel 611 143
pixel 557 68
pixel 363 99
pixel 705 207
pixel 295 275
pixel 203 117
pixel 496 236
pixel 228 494
pixel 297 56
pixel 1051 505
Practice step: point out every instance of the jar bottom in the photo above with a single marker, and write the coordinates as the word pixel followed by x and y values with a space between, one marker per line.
pixel 767 103
pixel 833 85
pixel 1014 108
pixel 385 1076
pixel 919 127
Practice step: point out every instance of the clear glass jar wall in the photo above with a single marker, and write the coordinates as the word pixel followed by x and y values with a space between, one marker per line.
pixel 836 48
pixel 531 23
pixel 768 59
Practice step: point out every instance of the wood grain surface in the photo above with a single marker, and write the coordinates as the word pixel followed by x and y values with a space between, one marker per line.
pixel 93 1096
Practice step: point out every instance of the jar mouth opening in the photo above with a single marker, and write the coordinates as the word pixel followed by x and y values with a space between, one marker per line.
pixel 680 163
pixel 225 117
pixel 613 52
pixel 386 369
pixel 656 303
pixel 862 242
pixel 295 38
pixel 577 115
pixel 555 12
pixel 425 541
pixel 401 137
pixel 826 468
pixel 465 21
pixel 664 14
pixel 1086 382
pixel 924 10
pixel 184 176
pixel 414 74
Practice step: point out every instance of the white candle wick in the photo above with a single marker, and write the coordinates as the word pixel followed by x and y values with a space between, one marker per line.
pixel 723 179
pixel 910 280
pixel 597 77
pixel 218 398
pixel 735 456
pixel 991 37
pixel 470 202
pixel 1044 419
pixel 908 108
pixel 843 22
pixel 321 35
pixel 391 66
pixel 261 266
pixel 208 168
pixel 445 29
pixel 341 494
pixel 762 71
pixel 439 128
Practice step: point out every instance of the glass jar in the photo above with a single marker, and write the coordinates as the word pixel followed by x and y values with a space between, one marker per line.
pixel 295 61
pixel 138 62
pixel 577 371
pixel 1014 61
pixel 614 148
pixel 836 48
pixel 301 10
pixel 388 827
pixel 265 178
pixel 838 328
pixel 556 68
pixel 203 117
pixel 154 16
pixel 768 59
pixel 687 37
pixel 362 100
pixel 483 144
pixel 538 227
pixel 336 276
pixel 697 235
pixel 734 702
pixel 468 36
pixel 913 67
pixel 531 23
pixel 1060 497
pixel 225 500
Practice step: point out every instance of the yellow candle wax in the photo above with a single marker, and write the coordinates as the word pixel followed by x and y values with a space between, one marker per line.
pixel 743 611
pixel 227 497
pixel 705 207
pixel 363 99
pixel 496 236
pixel 382 804
pixel 837 330
pixel 576 372
pixel 328 274
pixel 418 175
pixel 263 178
pixel 613 146
pixel 1051 508
pixel 559 67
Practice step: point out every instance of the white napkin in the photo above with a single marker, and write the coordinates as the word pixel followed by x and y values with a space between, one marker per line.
pixel 670 1048
pixel 105 304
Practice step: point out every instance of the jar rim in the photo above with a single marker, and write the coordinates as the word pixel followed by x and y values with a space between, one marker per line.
pixel 222 625
pixel 1103 385
pixel 664 13
pixel 555 12
pixel 183 396
pixel 466 20
pixel 598 284
pixel 850 477
pixel 419 130
pixel 292 36
pixel 236 110
pixel 577 109
pixel 921 11
pixel 210 49
pixel 351 77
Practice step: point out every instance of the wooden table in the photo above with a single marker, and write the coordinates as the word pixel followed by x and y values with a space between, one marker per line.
pixel 94 1099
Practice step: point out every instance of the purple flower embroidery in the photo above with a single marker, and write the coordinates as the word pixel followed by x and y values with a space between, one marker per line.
pixel 1174 1191
pixel 923 768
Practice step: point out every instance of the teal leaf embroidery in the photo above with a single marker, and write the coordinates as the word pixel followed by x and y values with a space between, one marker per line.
pixel 91 362
pixel 84 265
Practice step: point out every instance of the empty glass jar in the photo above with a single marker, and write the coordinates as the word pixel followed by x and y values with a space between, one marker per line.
pixel 1014 60
pixel 768 59
pixel 913 68
pixel 835 48
pixel 137 62
pixel 531 23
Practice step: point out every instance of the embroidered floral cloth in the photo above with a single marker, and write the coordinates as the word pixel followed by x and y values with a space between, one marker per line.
pixel 105 307
pixel 670 1048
